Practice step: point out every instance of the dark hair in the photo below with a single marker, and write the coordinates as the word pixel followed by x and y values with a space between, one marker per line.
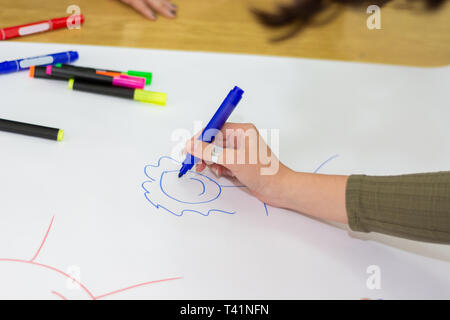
pixel 302 12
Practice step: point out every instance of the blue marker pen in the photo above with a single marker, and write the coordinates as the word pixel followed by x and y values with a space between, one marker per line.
pixel 23 64
pixel 218 120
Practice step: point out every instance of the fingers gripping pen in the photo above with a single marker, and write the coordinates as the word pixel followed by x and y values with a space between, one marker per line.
pixel 215 124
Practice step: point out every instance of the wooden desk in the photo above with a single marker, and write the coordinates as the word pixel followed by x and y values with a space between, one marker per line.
pixel 407 37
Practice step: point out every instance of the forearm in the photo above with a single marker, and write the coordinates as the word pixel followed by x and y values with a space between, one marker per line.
pixel 317 195
pixel 415 206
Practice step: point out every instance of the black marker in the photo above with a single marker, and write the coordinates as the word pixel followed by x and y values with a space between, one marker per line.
pixel 31 130
pixel 141 74
pixel 41 73
pixel 133 94
pixel 119 81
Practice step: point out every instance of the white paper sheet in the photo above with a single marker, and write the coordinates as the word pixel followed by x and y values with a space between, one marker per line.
pixel 91 217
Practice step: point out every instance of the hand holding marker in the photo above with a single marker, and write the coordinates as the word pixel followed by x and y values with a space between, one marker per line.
pixel 215 124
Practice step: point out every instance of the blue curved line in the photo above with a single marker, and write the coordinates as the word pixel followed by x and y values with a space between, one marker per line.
pixel 325 162
pixel 203 185
pixel 197 202
pixel 159 164
pixel 147 192
pixel 158 206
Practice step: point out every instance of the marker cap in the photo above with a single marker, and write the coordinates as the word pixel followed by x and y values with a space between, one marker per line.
pixel 129 82
pixel 159 98
pixel 147 75
pixel 60 135
pixel 73 56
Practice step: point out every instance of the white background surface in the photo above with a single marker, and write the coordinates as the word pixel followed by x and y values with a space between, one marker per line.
pixel 379 119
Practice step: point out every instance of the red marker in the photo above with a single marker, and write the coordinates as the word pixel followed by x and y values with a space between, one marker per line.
pixel 41 26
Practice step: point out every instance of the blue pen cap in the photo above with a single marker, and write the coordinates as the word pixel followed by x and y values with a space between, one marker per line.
pixel 65 57
pixel 236 95
pixel 73 56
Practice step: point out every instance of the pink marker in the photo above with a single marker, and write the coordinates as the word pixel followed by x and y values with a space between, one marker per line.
pixel 118 81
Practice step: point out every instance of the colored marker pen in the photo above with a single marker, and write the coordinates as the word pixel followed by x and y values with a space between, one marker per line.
pixel 38 27
pixel 118 81
pixel 127 93
pixel 41 73
pixel 22 64
pixel 215 124
pixel 31 130
pixel 141 74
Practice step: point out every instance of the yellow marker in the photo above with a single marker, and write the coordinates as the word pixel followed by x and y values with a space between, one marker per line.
pixel 158 98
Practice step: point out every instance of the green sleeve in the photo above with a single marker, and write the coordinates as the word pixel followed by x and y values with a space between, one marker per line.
pixel 415 206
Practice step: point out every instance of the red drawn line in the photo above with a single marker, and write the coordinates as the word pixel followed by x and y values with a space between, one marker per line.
pixel 59 295
pixel 136 286
pixel 85 289
pixel 43 241
pixel 53 269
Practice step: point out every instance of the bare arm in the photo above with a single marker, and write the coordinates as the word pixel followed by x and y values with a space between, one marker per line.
pixel 321 196
pixel 414 206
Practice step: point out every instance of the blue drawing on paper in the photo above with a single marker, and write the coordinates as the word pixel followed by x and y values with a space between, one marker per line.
pixel 194 193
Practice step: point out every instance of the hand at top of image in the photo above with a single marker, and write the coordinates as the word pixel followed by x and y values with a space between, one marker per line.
pixel 149 8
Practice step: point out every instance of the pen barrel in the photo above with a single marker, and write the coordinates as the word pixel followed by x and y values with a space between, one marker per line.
pixel 29 129
pixel 71 67
pixel 214 125
pixel 9 66
pixel 88 69
pixel 87 76
pixel 90 75
pixel 41 73
pixel 103 89
pixel 221 116
pixel 133 74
